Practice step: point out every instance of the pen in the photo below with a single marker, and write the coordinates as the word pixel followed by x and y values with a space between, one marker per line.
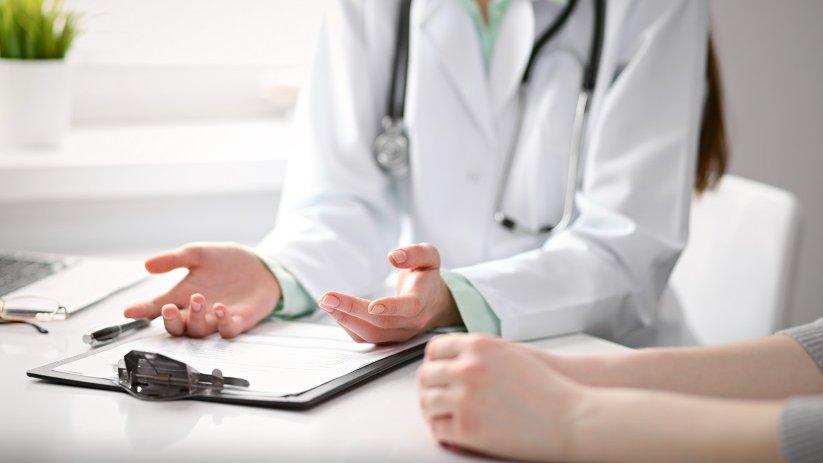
pixel 107 334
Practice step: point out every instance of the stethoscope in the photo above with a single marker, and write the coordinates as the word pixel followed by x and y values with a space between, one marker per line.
pixel 391 147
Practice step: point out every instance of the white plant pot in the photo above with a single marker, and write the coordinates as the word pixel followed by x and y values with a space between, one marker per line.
pixel 34 102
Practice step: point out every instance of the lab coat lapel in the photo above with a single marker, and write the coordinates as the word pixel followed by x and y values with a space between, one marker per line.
pixel 449 29
pixel 511 52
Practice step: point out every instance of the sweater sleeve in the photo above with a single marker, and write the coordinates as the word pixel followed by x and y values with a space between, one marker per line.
pixel 801 421
pixel 801 430
pixel 811 338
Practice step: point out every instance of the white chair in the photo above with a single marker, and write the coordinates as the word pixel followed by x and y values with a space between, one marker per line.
pixel 733 279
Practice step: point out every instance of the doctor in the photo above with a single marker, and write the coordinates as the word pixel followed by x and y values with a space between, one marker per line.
pixel 490 118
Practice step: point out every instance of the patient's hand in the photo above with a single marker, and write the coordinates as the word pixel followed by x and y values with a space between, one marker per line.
pixel 495 397
pixel 228 289
pixel 423 301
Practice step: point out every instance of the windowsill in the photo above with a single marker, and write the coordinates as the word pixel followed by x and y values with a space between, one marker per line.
pixel 172 159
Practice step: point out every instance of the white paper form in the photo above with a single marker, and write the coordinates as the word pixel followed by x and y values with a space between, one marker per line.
pixel 277 358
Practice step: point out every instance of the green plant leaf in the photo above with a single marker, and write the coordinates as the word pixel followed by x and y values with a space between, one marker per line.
pixel 36 29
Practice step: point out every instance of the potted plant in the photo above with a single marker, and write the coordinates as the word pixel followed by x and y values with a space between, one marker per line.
pixel 35 36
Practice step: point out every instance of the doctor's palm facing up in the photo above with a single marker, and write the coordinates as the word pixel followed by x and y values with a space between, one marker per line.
pixel 229 290
pixel 423 301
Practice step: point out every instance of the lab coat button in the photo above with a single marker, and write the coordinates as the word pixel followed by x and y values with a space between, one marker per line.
pixel 473 176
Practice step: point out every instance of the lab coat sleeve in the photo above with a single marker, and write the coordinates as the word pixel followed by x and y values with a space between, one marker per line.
pixel 338 214
pixel 605 273
pixel 295 301
pixel 477 315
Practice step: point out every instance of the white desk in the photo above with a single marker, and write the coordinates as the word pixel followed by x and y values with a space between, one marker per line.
pixel 39 421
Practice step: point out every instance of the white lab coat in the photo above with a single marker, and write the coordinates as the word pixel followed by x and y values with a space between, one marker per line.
pixel 340 214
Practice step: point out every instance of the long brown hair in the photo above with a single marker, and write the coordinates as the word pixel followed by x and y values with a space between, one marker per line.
pixel 713 156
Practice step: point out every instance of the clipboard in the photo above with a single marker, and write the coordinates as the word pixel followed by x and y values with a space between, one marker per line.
pixel 302 401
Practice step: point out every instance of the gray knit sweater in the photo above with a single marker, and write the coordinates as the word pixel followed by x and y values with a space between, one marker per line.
pixel 801 422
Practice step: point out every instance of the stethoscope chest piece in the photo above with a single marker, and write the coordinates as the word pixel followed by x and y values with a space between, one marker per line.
pixel 391 148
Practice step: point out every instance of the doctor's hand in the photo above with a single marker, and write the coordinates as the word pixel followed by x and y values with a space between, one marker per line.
pixel 228 289
pixel 495 397
pixel 423 301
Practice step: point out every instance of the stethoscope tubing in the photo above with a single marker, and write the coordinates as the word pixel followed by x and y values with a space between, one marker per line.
pixel 397 95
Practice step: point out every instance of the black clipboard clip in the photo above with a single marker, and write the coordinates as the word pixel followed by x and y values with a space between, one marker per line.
pixel 152 376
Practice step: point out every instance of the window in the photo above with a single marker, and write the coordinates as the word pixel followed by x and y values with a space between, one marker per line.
pixel 168 96
pixel 146 60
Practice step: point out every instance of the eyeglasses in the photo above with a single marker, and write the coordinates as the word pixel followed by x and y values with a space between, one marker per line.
pixel 31 309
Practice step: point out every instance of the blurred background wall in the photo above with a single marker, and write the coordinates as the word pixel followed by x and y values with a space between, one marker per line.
pixel 772 66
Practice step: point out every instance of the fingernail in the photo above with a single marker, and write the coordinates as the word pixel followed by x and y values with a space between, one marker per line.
pixel 196 306
pixel 166 314
pixel 378 309
pixel 330 301
pixel 219 313
pixel 398 255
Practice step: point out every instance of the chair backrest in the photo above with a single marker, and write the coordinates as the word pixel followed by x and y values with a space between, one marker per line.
pixel 733 279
